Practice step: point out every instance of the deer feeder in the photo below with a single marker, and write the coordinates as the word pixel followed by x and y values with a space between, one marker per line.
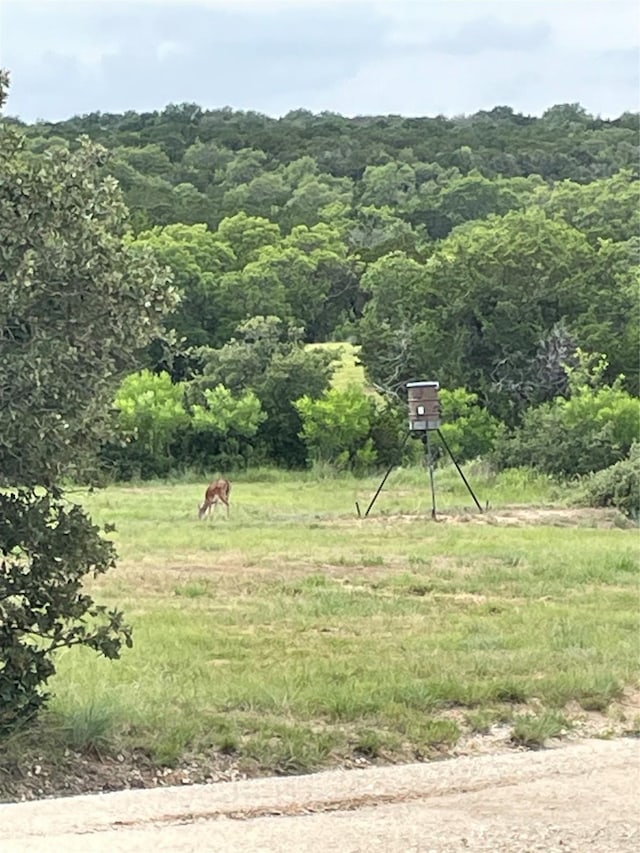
pixel 424 406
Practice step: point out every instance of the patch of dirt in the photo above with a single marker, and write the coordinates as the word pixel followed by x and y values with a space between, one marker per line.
pixel 518 516
pixel 36 776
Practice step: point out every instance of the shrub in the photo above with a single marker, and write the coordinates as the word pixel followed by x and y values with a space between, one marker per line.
pixel 151 410
pixel 48 548
pixel 617 486
pixel 337 428
pixel 388 432
pixel 469 430
pixel 591 431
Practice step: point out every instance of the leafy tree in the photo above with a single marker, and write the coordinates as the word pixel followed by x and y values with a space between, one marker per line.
pixel 150 199
pixel 204 162
pixel 292 372
pixel 391 185
pixel 591 430
pixel 164 424
pixel 197 258
pixel 256 290
pixel 77 304
pixel 151 412
pixel 222 413
pixel 566 143
pixel 246 235
pixel 267 357
pixel 222 429
pixel 336 427
pixel 310 272
pixel 377 231
pixel 311 196
pixel 394 320
pixel 247 164
pixel 189 205
pixel 263 196
pixel 481 304
pixel 607 209
pixel 473 196
pixel 150 160
pixel 611 323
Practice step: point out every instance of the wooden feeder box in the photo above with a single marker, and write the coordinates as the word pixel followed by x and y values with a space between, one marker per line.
pixel 424 406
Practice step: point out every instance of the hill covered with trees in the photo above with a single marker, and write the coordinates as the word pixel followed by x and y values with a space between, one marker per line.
pixel 497 253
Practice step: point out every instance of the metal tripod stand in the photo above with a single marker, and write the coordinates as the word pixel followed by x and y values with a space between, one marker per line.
pixel 430 463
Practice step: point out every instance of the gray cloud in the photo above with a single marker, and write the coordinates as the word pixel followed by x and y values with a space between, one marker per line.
pixel 111 56
pixel 356 56
pixel 483 35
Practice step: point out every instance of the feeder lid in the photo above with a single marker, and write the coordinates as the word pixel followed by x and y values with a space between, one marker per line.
pixel 423 385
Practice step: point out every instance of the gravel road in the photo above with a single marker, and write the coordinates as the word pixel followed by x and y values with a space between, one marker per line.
pixel 584 796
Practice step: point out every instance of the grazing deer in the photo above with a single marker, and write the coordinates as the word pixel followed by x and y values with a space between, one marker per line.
pixel 217 492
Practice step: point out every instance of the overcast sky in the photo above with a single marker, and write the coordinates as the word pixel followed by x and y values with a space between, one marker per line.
pixel 409 57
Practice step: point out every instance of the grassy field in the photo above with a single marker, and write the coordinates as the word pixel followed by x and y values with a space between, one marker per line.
pixel 295 635
pixel 348 369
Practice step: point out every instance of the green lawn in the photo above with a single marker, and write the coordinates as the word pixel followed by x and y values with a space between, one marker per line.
pixel 295 635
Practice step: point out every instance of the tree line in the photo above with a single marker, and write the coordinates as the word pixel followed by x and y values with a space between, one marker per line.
pixel 493 252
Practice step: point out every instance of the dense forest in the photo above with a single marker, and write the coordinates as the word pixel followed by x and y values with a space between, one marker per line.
pixel 496 253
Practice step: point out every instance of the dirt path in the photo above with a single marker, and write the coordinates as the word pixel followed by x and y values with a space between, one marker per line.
pixel 584 796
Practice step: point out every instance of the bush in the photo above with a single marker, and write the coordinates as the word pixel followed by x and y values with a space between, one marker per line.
pixel 48 548
pixel 617 486
pixel 469 430
pixel 591 431
pixel 151 413
pixel 336 428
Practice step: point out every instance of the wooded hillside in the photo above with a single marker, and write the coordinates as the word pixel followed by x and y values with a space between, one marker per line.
pixel 491 252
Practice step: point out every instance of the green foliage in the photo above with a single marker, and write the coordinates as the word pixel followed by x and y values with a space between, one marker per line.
pixel 463 198
pixel 89 728
pixel 469 430
pixel 268 358
pixel 197 258
pixel 159 430
pixel 246 235
pixel 388 433
pixel 475 313
pixel 336 428
pixel 377 231
pixel 223 428
pixel 48 546
pixel 481 251
pixel 151 413
pixel 612 322
pixel 606 209
pixel 592 430
pixel 222 412
pixel 618 485
pixel 77 304
pixel 533 730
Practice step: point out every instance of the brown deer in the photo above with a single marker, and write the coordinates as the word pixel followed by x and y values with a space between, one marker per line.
pixel 217 492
